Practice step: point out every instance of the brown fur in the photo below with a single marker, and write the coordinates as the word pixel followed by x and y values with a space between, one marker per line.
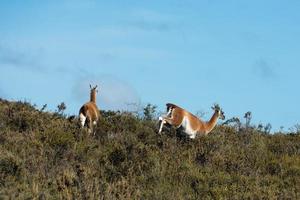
pixel 177 115
pixel 90 110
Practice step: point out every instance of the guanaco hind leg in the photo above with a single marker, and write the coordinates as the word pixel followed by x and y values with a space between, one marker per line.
pixel 172 118
pixel 94 127
pixel 82 119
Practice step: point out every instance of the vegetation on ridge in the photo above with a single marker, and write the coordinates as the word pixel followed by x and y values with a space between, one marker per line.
pixel 45 155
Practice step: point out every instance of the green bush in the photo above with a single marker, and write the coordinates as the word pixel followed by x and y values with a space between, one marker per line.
pixel 45 155
pixel 8 167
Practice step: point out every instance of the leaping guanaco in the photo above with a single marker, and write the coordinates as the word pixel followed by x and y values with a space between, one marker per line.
pixel 190 124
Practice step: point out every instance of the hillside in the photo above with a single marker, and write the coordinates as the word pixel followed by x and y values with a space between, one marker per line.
pixel 45 155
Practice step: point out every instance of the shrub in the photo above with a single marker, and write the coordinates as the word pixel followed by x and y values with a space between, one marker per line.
pixel 45 155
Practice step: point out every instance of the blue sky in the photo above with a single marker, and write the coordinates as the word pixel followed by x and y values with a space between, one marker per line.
pixel 243 55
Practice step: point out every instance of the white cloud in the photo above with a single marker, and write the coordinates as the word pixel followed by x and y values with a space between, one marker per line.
pixel 114 94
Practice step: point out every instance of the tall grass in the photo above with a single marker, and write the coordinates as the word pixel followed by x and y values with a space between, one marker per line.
pixel 45 155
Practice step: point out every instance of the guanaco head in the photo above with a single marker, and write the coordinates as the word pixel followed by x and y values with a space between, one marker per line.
pixel 94 89
pixel 219 110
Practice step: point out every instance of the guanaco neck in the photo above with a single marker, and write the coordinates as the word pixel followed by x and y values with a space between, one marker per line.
pixel 93 96
pixel 212 122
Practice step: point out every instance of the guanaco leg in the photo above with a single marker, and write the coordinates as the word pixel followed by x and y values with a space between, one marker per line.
pixel 174 120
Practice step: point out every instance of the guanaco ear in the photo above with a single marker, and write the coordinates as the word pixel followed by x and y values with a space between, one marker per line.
pixel 216 107
pixel 90 86
pixel 222 115
pixel 213 107
pixel 95 88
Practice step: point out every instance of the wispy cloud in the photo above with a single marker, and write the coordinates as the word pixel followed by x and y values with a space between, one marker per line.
pixel 251 38
pixel 151 26
pixel 265 69
pixel 12 57
pixel 107 57
pixel 114 94
pixel 152 21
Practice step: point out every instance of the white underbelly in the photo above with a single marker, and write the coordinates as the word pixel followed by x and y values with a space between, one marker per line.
pixel 186 126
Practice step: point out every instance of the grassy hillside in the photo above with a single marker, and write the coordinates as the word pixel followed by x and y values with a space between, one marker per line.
pixel 46 156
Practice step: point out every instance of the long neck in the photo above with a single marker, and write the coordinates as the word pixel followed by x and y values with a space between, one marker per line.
pixel 93 96
pixel 212 122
